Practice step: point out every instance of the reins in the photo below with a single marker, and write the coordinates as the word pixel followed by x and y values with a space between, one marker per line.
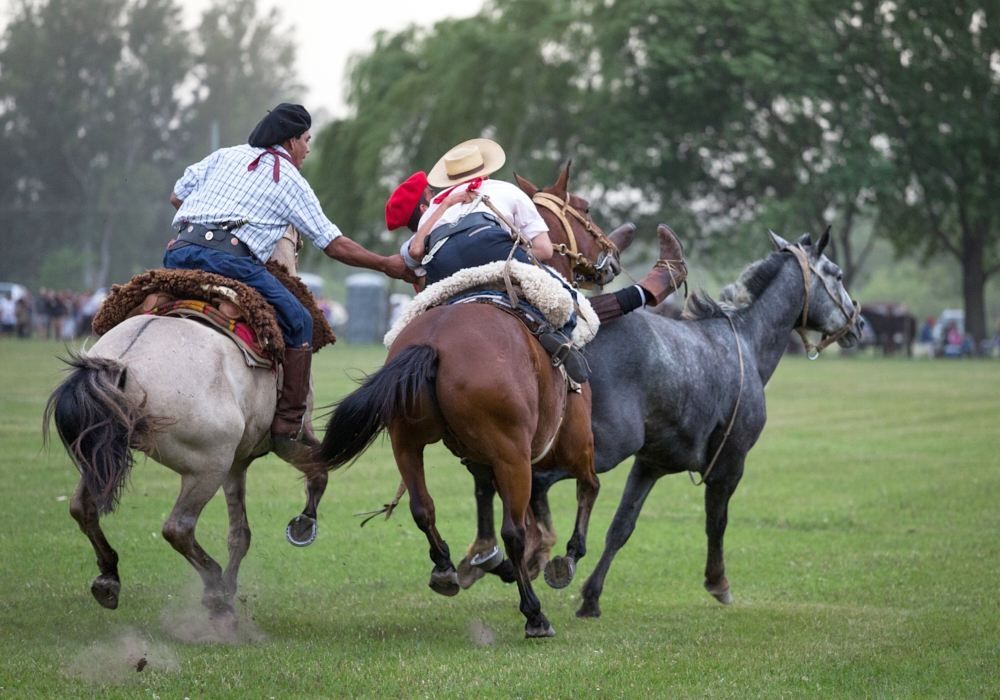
pixel 736 408
pixel 812 351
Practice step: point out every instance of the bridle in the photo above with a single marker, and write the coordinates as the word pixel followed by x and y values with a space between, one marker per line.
pixel 585 271
pixel 813 351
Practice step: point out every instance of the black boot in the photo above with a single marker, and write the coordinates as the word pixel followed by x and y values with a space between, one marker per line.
pixel 564 353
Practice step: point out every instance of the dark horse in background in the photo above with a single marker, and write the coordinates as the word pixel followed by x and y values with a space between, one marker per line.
pixel 665 392
pixel 893 326
pixel 472 376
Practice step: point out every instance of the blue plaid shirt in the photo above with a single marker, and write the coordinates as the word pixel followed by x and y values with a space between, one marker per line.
pixel 220 189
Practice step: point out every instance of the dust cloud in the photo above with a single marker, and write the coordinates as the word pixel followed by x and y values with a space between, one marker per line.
pixel 127 658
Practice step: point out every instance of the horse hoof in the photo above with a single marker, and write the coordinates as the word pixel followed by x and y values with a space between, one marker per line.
pixel 301 531
pixel 487 561
pixel 445 582
pixel 106 590
pixel 590 608
pixel 725 597
pixel 559 572
pixel 539 632
pixel 468 574
pixel 720 591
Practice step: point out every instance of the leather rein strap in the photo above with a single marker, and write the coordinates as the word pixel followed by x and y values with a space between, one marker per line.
pixel 579 263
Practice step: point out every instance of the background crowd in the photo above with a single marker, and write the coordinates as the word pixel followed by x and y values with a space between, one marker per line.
pixel 49 314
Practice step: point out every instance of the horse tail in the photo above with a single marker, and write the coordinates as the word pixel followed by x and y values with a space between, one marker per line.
pixel 384 396
pixel 98 423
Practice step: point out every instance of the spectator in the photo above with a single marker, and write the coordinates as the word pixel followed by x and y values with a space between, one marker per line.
pixel 41 309
pixel 925 343
pixel 56 312
pixel 23 313
pixel 89 309
pixel 8 315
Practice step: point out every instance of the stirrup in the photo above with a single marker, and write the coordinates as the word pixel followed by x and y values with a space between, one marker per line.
pixel 564 353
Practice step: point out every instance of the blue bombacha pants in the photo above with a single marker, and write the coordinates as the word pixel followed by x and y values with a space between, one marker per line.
pixel 295 322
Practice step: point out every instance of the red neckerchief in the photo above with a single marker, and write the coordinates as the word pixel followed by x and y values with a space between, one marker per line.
pixel 277 163
pixel 473 185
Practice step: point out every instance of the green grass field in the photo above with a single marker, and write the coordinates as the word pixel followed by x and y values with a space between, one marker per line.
pixel 862 551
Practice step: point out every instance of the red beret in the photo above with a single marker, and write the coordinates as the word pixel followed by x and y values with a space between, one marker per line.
pixel 404 201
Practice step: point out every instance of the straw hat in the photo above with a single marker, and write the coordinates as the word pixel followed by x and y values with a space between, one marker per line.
pixel 467 161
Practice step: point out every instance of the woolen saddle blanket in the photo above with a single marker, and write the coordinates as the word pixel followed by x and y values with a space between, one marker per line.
pixel 231 299
pixel 541 290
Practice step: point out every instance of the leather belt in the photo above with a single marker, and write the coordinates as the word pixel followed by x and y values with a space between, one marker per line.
pixel 219 239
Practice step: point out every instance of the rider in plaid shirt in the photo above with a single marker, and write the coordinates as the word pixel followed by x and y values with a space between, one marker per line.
pixel 261 184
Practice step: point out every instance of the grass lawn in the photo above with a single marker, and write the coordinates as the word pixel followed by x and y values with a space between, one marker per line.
pixel 862 552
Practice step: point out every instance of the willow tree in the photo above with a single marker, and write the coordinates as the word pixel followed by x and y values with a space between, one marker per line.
pixel 508 74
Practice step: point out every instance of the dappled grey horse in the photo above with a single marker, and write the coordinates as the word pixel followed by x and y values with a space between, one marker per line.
pixel 666 391
pixel 182 393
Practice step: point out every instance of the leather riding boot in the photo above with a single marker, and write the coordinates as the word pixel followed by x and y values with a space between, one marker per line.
pixel 669 271
pixel 287 423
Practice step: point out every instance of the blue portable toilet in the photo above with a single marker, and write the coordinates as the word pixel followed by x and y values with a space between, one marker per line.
pixel 367 309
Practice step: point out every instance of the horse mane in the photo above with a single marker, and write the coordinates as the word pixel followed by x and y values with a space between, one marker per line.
pixel 738 295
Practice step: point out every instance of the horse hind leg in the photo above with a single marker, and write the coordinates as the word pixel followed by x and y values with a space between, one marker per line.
pixel 235 489
pixel 196 491
pixel 514 492
pixel 410 460
pixel 483 555
pixel 640 482
pixel 107 586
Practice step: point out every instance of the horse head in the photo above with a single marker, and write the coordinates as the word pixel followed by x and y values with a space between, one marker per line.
pixel 584 254
pixel 829 308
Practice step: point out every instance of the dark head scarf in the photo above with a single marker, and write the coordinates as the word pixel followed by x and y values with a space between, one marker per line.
pixel 286 121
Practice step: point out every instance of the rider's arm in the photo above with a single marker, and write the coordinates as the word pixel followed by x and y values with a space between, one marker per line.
pixel 541 247
pixel 417 243
pixel 175 201
pixel 345 250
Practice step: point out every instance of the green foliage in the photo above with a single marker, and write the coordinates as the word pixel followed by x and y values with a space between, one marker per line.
pixel 97 122
pixel 857 547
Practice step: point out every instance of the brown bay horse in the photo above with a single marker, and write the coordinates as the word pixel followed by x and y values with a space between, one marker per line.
pixel 472 376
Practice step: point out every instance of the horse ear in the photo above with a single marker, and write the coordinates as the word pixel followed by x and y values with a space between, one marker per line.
pixel 823 241
pixel 561 188
pixel 777 240
pixel 525 186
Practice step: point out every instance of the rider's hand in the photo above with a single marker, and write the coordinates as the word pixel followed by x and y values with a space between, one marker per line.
pixel 459 196
pixel 396 268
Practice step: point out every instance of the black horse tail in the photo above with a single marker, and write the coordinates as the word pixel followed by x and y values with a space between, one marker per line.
pixel 384 396
pixel 98 424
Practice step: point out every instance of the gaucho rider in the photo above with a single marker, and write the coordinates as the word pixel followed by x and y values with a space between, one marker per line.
pixel 458 229
pixel 232 209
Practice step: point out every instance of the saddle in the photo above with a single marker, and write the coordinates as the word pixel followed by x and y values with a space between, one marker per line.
pixel 233 308
pixel 536 287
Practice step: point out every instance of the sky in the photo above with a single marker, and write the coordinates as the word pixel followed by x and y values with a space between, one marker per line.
pixel 328 32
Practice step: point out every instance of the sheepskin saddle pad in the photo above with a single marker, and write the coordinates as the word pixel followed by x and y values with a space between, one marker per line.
pixel 228 304
pixel 541 290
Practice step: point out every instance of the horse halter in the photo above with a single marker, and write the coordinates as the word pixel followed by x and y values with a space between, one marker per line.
pixel 585 270
pixel 813 351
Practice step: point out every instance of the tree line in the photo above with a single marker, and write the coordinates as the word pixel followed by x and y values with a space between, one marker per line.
pixel 724 117
pixel 102 105
pixel 878 117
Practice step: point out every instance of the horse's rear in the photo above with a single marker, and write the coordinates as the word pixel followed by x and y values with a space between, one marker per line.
pixel 181 393
pixel 472 376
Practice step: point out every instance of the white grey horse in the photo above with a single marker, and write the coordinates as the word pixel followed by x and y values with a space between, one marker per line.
pixel 667 391
pixel 183 394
